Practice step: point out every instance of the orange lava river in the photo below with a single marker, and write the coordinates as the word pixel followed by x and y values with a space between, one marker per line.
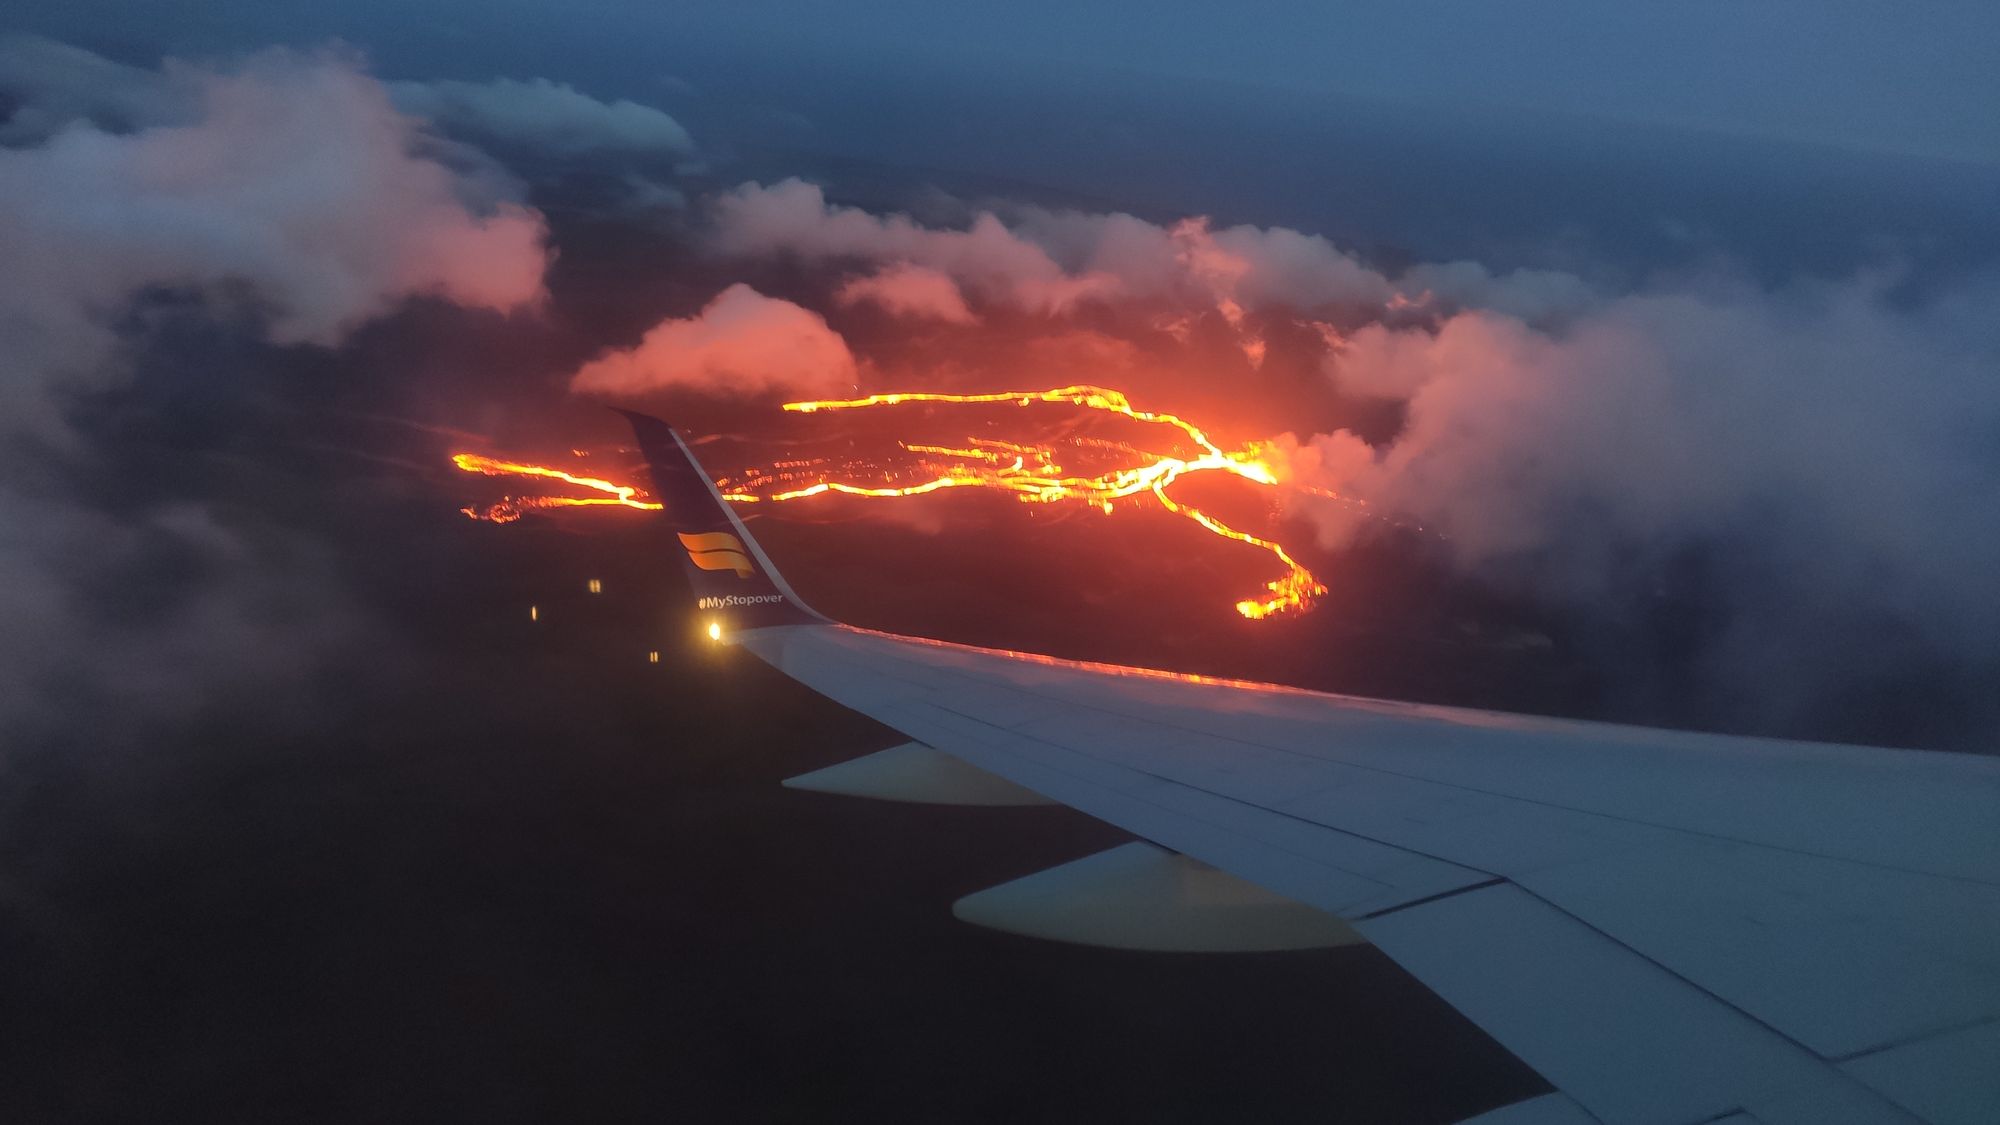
pixel 1029 472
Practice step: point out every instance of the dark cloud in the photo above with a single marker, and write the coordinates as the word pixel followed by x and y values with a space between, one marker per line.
pixel 52 85
pixel 544 116
pixel 280 198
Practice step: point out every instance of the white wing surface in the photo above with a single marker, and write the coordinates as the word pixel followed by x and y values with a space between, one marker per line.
pixel 1668 926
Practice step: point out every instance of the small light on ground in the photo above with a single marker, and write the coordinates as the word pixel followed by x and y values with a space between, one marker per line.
pixel 653 657
pixel 534 613
pixel 595 586
pixel 715 630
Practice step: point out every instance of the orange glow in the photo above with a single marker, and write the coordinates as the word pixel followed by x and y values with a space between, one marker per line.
pixel 510 508
pixel 1029 472
pixel 1125 671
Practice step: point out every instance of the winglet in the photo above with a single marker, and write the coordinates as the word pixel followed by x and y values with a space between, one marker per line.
pixel 735 586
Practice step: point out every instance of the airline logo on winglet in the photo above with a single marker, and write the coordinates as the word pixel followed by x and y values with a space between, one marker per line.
pixel 718 550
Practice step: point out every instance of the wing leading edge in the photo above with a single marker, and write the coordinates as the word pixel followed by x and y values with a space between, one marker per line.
pixel 1668 926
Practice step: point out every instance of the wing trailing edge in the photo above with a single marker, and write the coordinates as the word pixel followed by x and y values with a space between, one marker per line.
pixel 1138 896
pixel 917 773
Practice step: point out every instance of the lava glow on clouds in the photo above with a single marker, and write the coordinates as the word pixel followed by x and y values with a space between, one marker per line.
pixel 1806 460
pixel 1587 446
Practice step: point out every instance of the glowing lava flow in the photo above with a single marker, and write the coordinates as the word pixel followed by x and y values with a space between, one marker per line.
pixel 1028 472
pixel 510 508
pixel 1044 484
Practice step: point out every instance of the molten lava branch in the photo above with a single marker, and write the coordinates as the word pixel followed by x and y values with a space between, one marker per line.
pixel 1293 591
pixel 510 508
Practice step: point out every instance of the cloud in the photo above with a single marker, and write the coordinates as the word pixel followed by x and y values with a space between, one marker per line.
pixel 1275 265
pixel 280 200
pixel 986 259
pixel 548 117
pixel 905 289
pixel 54 84
pixel 1054 262
pixel 643 194
pixel 741 342
pixel 229 613
pixel 1535 296
pixel 1826 451
pixel 1233 270
pixel 296 180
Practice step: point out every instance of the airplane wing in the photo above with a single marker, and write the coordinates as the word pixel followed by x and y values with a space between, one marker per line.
pixel 1668 926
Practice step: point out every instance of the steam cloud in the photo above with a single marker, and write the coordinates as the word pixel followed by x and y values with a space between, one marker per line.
pixel 742 341
pixel 987 258
pixel 904 289
pixel 1054 261
pixel 1826 454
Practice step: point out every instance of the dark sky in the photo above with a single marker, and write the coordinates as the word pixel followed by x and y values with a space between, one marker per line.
pixel 1866 75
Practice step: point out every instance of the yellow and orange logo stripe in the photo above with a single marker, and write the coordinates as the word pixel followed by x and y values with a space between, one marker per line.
pixel 718 550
